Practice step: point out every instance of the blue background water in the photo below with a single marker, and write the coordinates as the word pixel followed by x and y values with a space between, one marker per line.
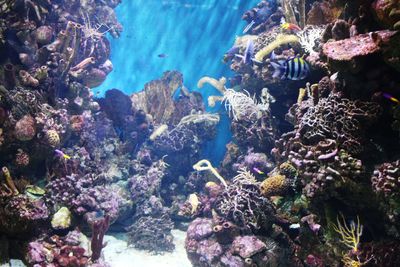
pixel 194 34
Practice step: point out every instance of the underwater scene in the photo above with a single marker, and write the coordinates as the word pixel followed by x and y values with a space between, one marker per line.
pixel 204 133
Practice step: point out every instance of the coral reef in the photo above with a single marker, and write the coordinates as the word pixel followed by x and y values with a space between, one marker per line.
pixel 310 177
pixel 70 250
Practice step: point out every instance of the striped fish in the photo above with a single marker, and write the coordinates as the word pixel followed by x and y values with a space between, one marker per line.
pixel 293 69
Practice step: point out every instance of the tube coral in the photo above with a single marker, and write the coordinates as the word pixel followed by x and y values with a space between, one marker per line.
pixel 27 79
pixel 99 229
pixel 281 39
pixel 9 180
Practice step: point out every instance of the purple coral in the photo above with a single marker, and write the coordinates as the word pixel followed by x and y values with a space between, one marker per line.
pixel 386 178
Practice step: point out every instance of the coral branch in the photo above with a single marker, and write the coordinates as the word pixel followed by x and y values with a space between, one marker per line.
pixel 99 228
pixel 205 165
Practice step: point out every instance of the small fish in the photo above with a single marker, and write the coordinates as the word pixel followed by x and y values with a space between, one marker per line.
pixel 257 170
pixel 62 154
pixel 162 55
pixel 290 27
pixel 248 56
pixel 231 53
pixel 391 98
pixel 35 190
pixel 262 14
pixel 294 226
pixel 295 68
pixel 248 27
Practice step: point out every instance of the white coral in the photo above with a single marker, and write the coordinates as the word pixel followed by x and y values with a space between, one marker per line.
pixel 309 37
pixel 240 105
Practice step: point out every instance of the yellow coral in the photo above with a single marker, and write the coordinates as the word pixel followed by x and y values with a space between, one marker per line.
pixel 52 137
pixel 274 185
pixel 61 219
pixel 205 165
pixel 159 131
pixel 194 202
pixel 217 84
pixel 9 180
pixel 350 234
pixel 349 262
pixel 288 170
pixel 281 39
pixel 302 94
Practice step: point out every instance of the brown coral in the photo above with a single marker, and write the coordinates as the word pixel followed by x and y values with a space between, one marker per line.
pixel 52 138
pixel 77 122
pixel 25 128
pixel 275 185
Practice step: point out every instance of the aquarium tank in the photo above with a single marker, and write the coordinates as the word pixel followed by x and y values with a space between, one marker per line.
pixel 200 133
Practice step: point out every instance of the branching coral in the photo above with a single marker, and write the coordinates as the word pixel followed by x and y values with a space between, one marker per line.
pixel 240 105
pixel 152 234
pixel 350 235
pixel 309 38
pixel 338 118
pixel 217 84
pixel 205 165
pixel 242 203
pixel 386 178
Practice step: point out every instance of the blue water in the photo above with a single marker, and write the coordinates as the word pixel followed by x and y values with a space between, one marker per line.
pixel 193 34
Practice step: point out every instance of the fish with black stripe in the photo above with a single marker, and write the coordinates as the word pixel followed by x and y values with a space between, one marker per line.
pixel 295 68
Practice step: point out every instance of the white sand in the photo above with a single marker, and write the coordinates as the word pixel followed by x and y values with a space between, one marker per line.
pixel 118 254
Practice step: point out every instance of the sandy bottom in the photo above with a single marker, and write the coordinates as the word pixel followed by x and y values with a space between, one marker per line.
pixel 118 254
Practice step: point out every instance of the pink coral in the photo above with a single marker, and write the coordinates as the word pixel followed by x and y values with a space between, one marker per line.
pixel 22 158
pixel 359 45
pixel 25 128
